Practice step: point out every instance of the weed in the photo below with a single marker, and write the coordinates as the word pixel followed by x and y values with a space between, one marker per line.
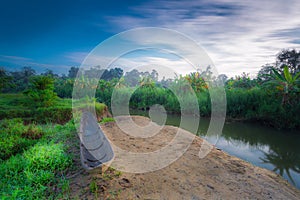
pixel 113 194
pixel 93 186
pixel 107 119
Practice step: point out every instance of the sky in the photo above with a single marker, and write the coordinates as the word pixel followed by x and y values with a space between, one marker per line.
pixel 239 36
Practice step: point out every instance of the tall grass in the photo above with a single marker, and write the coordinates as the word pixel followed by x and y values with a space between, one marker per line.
pixel 250 104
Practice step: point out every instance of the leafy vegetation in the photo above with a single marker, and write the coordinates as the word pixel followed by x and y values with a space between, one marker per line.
pixel 271 98
pixel 37 166
pixel 41 91
pixel 36 113
pixel 18 106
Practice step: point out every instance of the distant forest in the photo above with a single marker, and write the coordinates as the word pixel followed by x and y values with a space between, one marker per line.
pixel 272 97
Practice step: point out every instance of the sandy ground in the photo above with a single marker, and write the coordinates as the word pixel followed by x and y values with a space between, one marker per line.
pixel 217 176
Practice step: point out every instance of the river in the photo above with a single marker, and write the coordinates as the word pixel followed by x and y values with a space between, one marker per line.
pixel 276 150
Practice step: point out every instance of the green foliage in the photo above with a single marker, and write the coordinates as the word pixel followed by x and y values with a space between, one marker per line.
pixel 107 119
pixel 286 83
pixel 19 80
pixel 44 156
pixel 94 187
pixel 63 87
pixel 32 174
pixel 4 79
pixel 246 99
pixel 272 98
pixel 54 114
pixel 242 81
pixel 33 132
pixel 17 105
pixel 12 140
pixel 289 58
pixel 41 91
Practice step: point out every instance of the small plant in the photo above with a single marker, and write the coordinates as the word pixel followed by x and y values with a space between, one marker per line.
pixel 65 187
pixel 47 157
pixel 93 186
pixel 107 119
pixel 106 176
pixel 118 173
pixel 113 194
pixel 115 172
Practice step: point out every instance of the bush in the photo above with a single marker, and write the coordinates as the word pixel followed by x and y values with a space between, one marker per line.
pixel 41 91
pixel 47 157
pixel 11 138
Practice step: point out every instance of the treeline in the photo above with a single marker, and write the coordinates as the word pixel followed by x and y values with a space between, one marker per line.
pixel 271 98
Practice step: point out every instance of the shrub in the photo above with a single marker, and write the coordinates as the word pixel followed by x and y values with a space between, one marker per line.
pixel 41 91
pixel 47 157
pixel 11 140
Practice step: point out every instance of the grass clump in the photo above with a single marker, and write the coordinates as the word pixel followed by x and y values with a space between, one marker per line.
pixel 36 172
pixel 47 157
pixel 12 140
pixel 107 119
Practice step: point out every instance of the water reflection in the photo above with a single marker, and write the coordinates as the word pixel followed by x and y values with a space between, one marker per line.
pixel 262 146
pixel 275 150
pixel 284 161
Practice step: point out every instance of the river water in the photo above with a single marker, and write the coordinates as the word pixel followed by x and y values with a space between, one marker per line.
pixel 276 150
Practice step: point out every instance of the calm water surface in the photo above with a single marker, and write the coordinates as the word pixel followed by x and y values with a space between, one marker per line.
pixel 276 150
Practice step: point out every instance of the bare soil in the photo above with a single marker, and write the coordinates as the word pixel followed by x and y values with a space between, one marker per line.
pixel 217 176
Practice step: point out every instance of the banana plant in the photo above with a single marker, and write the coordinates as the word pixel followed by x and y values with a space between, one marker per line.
pixel 286 82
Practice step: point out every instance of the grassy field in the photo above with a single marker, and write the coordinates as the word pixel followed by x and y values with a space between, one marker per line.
pixel 34 148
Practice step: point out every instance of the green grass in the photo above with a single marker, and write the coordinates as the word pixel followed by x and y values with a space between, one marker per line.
pixel 107 119
pixel 18 106
pixel 33 172
pixel 15 137
pixel 33 147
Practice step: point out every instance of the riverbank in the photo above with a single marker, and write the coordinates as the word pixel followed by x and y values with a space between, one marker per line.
pixel 217 176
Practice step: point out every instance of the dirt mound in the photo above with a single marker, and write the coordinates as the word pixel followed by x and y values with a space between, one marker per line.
pixel 217 176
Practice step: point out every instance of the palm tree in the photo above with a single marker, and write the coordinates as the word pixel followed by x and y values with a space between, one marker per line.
pixel 147 81
pixel 283 161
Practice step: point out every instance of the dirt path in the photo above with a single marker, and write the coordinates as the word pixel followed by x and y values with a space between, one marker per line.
pixel 217 176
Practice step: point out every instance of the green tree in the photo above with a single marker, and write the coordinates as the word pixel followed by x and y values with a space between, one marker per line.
pixel 243 81
pixel 132 78
pixel 4 79
pixel 112 73
pixel 21 78
pixel 41 91
pixel 290 58
pixel 196 81
pixel 50 73
pixel 73 72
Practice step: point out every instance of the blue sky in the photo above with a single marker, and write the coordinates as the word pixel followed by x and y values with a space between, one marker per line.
pixel 238 35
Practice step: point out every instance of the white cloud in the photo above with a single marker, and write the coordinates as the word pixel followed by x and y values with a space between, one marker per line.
pixel 238 35
pixel 16 62
pixel 166 67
